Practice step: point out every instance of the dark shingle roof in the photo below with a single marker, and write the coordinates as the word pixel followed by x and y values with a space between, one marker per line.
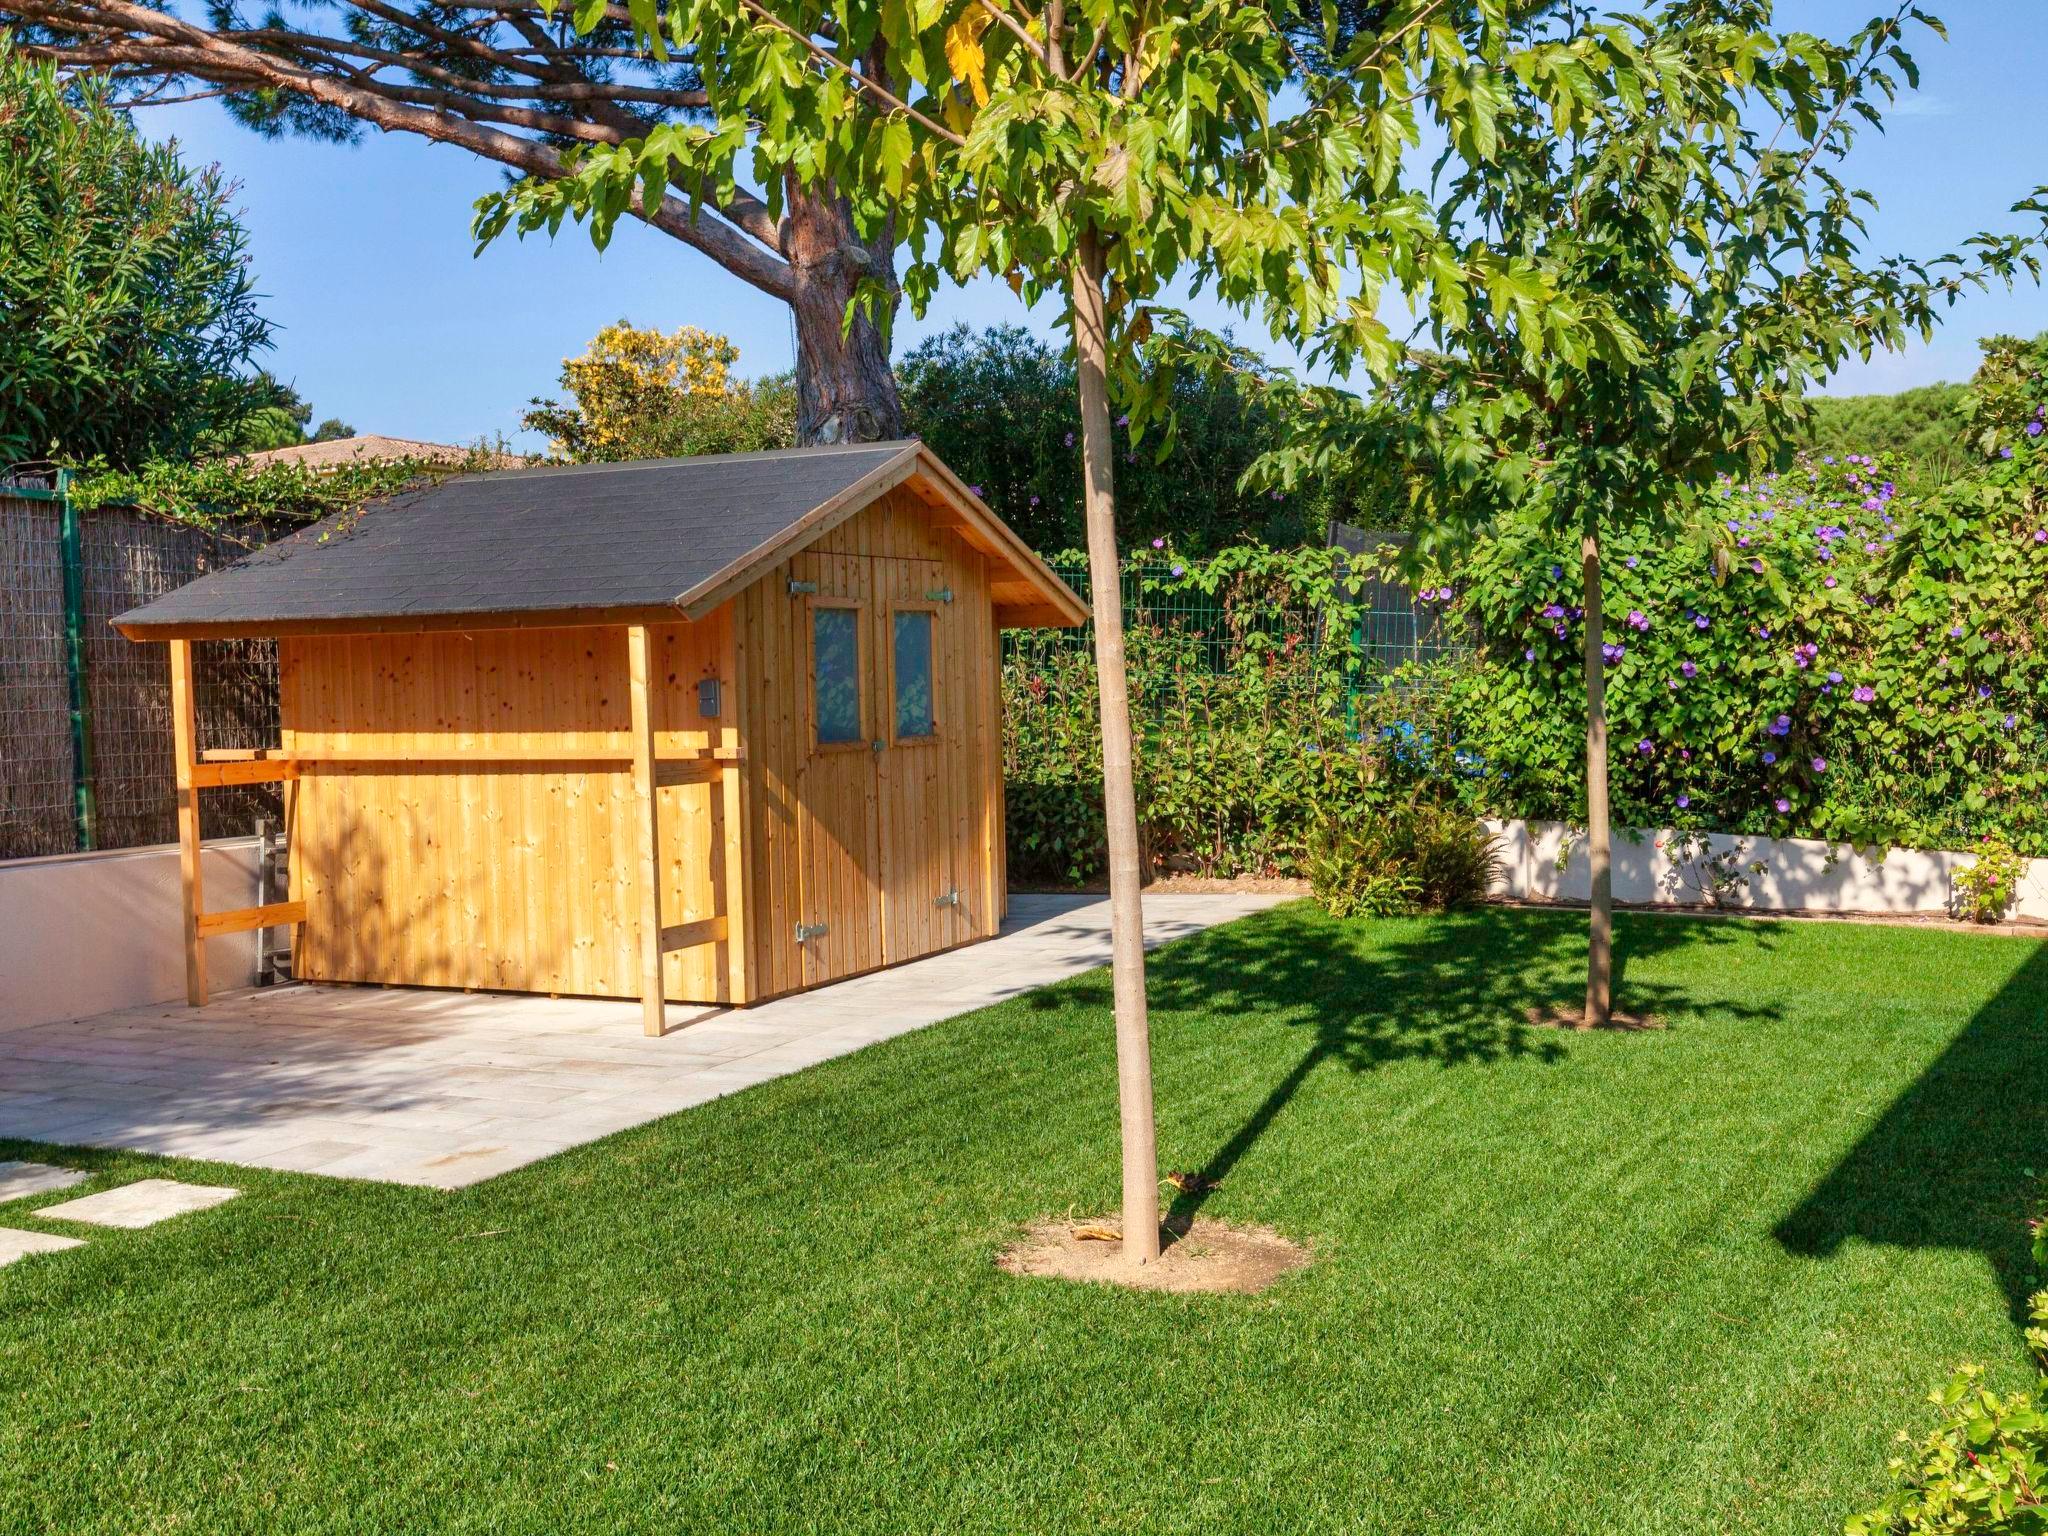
pixel 641 534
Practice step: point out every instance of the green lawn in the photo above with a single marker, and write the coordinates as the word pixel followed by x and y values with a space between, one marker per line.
pixel 1682 1281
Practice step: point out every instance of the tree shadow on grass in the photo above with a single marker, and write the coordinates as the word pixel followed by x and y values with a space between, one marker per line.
pixel 1955 1161
pixel 1456 991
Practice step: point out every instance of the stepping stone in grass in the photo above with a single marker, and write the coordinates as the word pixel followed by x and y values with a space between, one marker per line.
pixel 141 1204
pixel 17 1244
pixel 20 1180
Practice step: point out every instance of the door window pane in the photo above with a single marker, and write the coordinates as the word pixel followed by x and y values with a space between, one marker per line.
pixel 835 651
pixel 913 672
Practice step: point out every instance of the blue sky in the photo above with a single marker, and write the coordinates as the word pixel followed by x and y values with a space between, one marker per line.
pixel 386 320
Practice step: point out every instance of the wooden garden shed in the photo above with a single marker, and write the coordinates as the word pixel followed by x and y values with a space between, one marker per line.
pixel 709 729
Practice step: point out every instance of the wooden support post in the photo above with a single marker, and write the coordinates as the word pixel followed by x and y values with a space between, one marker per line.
pixel 185 744
pixel 647 824
pixel 731 856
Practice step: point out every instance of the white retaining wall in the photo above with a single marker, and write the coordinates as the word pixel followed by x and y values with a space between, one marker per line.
pixel 88 933
pixel 1799 875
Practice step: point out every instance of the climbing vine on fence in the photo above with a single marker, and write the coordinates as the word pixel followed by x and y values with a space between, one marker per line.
pixel 1816 654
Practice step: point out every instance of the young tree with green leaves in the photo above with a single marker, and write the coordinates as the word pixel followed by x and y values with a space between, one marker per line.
pixel 1696 218
pixel 127 313
pixel 1105 153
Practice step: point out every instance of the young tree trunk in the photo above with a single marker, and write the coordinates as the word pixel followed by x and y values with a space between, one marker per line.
pixel 845 392
pixel 1119 798
pixel 1599 849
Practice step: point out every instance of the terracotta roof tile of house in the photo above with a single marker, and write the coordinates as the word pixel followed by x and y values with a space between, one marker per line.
pixel 372 448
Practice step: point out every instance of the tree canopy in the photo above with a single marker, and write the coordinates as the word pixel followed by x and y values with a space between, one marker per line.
pixel 127 313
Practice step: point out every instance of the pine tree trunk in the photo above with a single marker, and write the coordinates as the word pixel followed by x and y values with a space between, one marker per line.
pixel 1120 807
pixel 1599 844
pixel 845 391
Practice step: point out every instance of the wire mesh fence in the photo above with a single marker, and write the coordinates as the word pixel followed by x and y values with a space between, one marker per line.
pixel 85 715
pixel 1388 638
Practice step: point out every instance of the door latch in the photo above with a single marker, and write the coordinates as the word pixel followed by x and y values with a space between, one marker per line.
pixel 805 932
pixel 950 899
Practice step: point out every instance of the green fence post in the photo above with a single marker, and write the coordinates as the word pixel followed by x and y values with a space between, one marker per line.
pixel 84 809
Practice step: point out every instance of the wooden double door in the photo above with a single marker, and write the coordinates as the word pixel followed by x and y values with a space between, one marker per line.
pixel 886 817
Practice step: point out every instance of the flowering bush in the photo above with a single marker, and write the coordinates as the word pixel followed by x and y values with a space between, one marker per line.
pixel 1986 890
pixel 1816 655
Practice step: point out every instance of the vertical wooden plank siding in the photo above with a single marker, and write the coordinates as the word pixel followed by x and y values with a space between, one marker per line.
pixel 185 750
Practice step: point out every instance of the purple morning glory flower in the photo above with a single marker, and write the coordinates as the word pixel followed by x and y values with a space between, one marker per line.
pixel 1069 440
pixel 1864 694
pixel 1830 582
pixel 2034 428
pixel 1613 653
pixel 2009 721
pixel 1552 611
pixel 1689 669
pixel 1559 631
pixel 1782 804
pixel 1834 677
pixel 1955 632
pixel 1180 570
pixel 1123 421
pixel 1644 746
pixel 1770 758
pixel 1556 572
pixel 1983 691
pixel 1820 765
pixel 1159 543
pixel 1637 619
pixel 1700 621
pixel 2005 453
pixel 2041 535
pixel 1631 562
pixel 1529 654
pixel 1684 801
pixel 1782 726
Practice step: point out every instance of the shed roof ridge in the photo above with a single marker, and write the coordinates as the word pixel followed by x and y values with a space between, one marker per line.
pixel 756 456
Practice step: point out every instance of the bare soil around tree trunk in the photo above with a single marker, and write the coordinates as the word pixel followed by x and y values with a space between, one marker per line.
pixel 1195 1256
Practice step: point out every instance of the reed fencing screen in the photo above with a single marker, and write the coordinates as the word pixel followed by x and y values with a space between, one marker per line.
pixel 85 715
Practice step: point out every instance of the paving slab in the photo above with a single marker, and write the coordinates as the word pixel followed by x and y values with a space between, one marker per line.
pixel 141 1204
pixel 17 1244
pixel 19 1180
pixel 412 1085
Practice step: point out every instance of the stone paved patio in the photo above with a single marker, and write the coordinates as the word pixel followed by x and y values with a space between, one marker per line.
pixel 413 1086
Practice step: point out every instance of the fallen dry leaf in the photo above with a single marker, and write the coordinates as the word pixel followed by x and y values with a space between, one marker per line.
pixel 1098 1234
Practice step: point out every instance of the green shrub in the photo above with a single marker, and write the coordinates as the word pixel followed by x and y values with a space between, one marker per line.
pixel 1421 856
pixel 1984 1467
pixel 1252 716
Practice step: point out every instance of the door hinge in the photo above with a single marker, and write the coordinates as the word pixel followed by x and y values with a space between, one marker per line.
pixel 798 588
pixel 950 899
pixel 805 932
pixel 943 595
